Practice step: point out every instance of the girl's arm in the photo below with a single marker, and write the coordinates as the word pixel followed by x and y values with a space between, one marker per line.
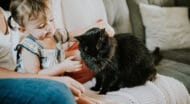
pixel 31 64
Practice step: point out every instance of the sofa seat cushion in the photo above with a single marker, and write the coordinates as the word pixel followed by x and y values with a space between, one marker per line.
pixel 176 70
pixel 164 90
pixel 180 55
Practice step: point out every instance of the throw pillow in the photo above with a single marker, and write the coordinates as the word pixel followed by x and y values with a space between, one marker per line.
pixel 166 27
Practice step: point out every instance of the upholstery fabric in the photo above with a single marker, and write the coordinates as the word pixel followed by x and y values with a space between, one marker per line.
pixel 82 14
pixel 164 90
pixel 183 3
pixel 176 70
pixel 135 18
pixel 181 55
pixel 118 15
pixel 162 2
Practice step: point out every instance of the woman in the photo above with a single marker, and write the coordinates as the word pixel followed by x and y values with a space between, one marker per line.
pixel 21 88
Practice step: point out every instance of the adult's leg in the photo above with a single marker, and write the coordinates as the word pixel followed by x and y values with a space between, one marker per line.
pixel 34 91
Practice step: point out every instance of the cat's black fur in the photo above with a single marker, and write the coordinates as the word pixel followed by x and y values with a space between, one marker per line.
pixel 119 61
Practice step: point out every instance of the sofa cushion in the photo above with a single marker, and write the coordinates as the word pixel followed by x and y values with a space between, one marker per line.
pixel 180 55
pixel 183 3
pixel 82 14
pixel 118 15
pixel 135 16
pixel 176 70
pixel 166 25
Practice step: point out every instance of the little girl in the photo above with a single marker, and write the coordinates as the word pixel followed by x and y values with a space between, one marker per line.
pixel 41 51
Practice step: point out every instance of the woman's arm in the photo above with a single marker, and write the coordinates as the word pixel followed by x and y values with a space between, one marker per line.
pixel 75 86
pixel 99 24
pixel 3 26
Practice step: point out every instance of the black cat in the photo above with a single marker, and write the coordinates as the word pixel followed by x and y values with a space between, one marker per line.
pixel 119 61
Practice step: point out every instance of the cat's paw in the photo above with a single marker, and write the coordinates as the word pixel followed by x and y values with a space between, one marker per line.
pixel 103 92
pixel 95 88
pixel 116 88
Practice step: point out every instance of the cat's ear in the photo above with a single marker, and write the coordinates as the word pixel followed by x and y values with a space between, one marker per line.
pixel 102 31
pixel 102 34
pixel 79 38
pixel 102 37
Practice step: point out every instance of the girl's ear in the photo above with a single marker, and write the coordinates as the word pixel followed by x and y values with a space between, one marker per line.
pixel 22 29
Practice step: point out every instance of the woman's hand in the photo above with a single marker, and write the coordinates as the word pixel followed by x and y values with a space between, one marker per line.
pixel 76 88
pixel 102 24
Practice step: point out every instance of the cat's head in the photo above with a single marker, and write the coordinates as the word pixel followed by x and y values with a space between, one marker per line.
pixel 92 41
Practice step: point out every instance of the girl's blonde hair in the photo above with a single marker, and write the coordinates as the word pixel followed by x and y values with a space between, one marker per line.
pixel 27 10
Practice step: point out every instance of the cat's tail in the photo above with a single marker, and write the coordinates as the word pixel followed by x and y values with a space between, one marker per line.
pixel 157 56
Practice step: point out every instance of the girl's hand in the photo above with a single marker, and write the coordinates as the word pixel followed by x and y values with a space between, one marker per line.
pixel 69 65
pixel 102 24
pixel 75 53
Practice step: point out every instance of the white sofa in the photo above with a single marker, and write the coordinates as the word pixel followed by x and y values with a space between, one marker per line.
pixel 77 14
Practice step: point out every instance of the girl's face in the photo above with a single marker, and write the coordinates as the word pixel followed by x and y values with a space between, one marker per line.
pixel 41 28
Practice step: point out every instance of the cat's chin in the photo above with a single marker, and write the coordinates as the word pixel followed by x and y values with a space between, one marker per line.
pixel 95 88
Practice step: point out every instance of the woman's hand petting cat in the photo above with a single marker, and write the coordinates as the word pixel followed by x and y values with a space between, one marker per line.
pixel 70 65
pixel 102 24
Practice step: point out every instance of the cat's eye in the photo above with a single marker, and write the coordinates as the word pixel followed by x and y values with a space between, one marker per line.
pixel 41 26
pixel 52 19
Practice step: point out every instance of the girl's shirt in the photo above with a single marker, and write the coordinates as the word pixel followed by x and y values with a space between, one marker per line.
pixel 47 57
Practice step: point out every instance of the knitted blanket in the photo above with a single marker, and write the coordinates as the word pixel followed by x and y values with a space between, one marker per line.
pixel 164 90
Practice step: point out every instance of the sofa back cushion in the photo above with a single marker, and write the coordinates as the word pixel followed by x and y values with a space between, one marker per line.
pixel 118 15
pixel 78 14
pixel 183 3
